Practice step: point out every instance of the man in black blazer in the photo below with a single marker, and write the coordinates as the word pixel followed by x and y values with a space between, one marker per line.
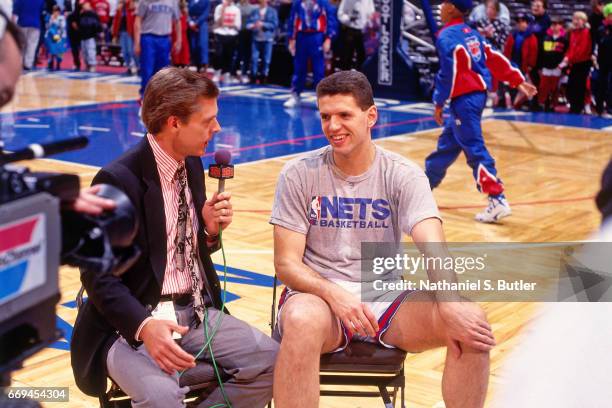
pixel 115 334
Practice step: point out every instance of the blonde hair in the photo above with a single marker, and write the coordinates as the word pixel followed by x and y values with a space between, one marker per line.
pixel 581 15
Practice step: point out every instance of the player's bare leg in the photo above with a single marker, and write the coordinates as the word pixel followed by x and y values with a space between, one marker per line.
pixel 417 327
pixel 309 329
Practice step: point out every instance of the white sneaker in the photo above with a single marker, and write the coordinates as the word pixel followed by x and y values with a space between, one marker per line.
pixel 245 79
pixel 216 77
pixel 292 102
pixel 495 211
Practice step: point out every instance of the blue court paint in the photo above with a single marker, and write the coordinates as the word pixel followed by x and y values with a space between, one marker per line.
pixel 255 125
pixel 254 128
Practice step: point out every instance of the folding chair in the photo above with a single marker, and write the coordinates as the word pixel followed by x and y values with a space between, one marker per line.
pixel 360 364
pixel 200 379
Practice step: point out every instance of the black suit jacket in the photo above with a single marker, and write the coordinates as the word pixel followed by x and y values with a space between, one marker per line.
pixel 117 306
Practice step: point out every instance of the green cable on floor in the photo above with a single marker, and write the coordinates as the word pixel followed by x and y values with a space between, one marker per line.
pixel 210 337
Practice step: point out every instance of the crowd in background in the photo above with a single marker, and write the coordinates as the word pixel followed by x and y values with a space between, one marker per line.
pixel 569 61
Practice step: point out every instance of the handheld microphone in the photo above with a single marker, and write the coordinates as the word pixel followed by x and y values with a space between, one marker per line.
pixel 222 169
pixel 36 151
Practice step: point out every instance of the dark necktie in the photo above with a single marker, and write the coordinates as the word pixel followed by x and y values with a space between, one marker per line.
pixel 185 252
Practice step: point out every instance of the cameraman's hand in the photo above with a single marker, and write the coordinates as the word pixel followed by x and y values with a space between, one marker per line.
pixel 89 203
pixel 157 337
pixel 356 316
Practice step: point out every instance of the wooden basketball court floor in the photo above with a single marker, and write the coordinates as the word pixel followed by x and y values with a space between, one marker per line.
pixel 551 172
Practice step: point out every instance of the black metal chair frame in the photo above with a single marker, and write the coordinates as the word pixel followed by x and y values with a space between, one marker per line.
pixel 335 371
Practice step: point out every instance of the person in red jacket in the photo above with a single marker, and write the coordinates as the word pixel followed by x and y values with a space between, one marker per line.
pixel 578 58
pixel 522 49
pixel 554 48
pixel 123 32
pixel 102 9
pixel 182 57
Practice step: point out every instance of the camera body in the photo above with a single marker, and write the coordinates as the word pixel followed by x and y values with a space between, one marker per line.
pixel 37 235
pixel 30 244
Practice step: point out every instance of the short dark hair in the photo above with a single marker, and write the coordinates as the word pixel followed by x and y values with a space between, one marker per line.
pixel 174 92
pixel 495 4
pixel 348 83
pixel 544 3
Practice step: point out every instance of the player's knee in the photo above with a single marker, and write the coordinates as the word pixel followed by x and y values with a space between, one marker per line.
pixel 306 317
pixel 476 354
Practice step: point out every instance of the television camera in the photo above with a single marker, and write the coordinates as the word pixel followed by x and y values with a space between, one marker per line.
pixel 37 234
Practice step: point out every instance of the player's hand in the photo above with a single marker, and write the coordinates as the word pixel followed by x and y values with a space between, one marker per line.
pixel 356 316
pixel 438 115
pixel 291 47
pixel 217 212
pixel 137 49
pixel 157 337
pixel 528 89
pixel 89 203
pixel 326 45
pixel 466 324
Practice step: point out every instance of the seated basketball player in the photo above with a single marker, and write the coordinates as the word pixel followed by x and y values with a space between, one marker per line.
pixel 380 196
pixel 126 328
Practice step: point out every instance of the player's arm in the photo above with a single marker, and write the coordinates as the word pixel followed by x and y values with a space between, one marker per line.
pixel 504 71
pixel 288 253
pixel 137 25
pixel 238 21
pixel 332 26
pixel 178 41
pixel 444 78
pixel 291 32
pixel 465 320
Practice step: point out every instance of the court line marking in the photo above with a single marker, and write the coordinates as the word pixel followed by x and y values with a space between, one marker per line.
pixel 30 126
pixel 380 139
pixel 556 126
pixel 84 108
pixel 64 162
pixel 317 136
pixel 94 128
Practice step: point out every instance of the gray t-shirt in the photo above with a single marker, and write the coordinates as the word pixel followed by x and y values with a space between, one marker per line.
pixel 157 16
pixel 338 212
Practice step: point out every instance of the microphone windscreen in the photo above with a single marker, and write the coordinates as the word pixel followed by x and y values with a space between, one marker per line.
pixel 223 157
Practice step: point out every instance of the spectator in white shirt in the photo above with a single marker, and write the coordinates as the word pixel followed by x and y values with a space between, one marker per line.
pixel 227 25
pixel 353 15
